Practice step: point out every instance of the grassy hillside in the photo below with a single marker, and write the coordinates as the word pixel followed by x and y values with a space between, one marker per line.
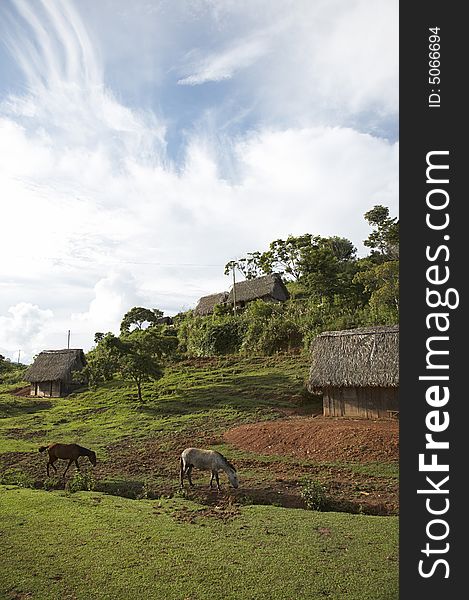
pixel 138 445
pixel 205 394
pixel 144 538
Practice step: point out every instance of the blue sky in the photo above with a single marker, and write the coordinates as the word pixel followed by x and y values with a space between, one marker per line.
pixel 143 145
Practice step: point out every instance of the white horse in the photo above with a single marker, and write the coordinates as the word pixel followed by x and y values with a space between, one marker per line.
pixel 206 460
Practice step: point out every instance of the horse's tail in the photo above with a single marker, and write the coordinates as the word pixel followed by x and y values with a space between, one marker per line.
pixel 42 448
pixel 181 471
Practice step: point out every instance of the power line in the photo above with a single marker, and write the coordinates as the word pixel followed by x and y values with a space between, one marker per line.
pixel 69 259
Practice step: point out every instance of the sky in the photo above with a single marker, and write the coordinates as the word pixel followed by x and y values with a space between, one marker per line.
pixel 145 144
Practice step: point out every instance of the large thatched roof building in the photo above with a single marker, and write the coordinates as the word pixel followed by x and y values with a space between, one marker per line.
pixel 269 288
pixel 357 371
pixel 206 304
pixel 51 374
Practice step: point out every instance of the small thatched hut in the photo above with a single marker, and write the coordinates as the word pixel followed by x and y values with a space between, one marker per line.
pixel 357 371
pixel 206 304
pixel 269 288
pixel 51 374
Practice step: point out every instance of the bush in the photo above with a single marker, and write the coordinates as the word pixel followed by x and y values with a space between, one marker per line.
pixel 80 482
pixel 16 477
pixel 314 494
pixel 210 336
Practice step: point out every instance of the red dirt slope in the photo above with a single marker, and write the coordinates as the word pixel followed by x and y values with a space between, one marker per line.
pixel 323 439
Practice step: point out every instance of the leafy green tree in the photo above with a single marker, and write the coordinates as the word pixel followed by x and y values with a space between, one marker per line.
pixel 137 355
pixel 342 248
pixel 287 256
pixel 381 281
pixel 141 354
pixel 251 267
pixel 384 239
pixel 102 362
pixel 138 316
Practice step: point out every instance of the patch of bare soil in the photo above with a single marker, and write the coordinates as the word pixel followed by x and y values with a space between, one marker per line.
pixel 322 439
pixel 223 510
pixel 22 391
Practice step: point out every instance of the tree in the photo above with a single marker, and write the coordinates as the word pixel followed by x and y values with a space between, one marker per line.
pixel 102 362
pixel 137 354
pixel 342 248
pixel 381 281
pixel 141 352
pixel 136 318
pixel 384 240
pixel 251 266
pixel 287 256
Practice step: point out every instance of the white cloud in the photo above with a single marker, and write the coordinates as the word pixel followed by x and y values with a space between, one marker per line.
pixel 23 329
pixel 321 61
pixel 113 296
pixel 105 221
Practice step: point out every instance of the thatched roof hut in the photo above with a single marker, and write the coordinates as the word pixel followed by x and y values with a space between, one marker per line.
pixel 206 304
pixel 51 374
pixel 269 288
pixel 357 371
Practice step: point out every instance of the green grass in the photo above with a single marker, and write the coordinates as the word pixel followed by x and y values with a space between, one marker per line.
pixel 93 546
pixel 225 393
pixel 90 545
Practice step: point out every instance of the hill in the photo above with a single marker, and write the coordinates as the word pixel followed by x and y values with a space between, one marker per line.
pixel 207 403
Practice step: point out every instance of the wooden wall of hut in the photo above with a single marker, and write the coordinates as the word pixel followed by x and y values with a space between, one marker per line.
pixel 360 402
pixel 48 389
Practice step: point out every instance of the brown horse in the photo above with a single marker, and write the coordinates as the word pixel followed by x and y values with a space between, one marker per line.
pixel 70 452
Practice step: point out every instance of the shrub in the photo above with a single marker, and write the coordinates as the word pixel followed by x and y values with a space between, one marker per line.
pixel 210 336
pixel 314 494
pixel 80 482
pixel 16 477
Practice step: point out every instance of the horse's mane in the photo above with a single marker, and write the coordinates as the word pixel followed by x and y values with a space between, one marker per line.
pixel 232 467
pixel 87 450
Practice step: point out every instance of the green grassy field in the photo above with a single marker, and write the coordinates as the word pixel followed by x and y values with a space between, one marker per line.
pixel 196 545
pixel 93 546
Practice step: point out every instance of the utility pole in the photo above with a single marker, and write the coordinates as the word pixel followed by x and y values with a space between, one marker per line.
pixel 234 291
pixel 19 354
pixel 68 340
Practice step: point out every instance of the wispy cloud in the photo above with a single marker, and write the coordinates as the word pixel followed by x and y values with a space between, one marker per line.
pixel 61 50
pixel 67 98
pixel 224 65
pixel 107 219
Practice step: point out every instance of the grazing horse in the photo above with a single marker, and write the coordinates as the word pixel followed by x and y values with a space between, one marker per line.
pixel 69 452
pixel 206 460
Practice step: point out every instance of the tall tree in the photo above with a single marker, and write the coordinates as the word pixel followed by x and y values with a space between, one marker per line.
pixel 137 355
pixel 142 352
pixel 384 239
pixel 250 266
pixel 138 316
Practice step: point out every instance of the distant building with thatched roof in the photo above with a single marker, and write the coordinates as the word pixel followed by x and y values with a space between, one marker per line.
pixel 269 288
pixel 357 371
pixel 206 304
pixel 51 374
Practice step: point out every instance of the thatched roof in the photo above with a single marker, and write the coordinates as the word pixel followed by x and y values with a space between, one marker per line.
pixel 54 365
pixel 365 357
pixel 206 304
pixel 269 287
